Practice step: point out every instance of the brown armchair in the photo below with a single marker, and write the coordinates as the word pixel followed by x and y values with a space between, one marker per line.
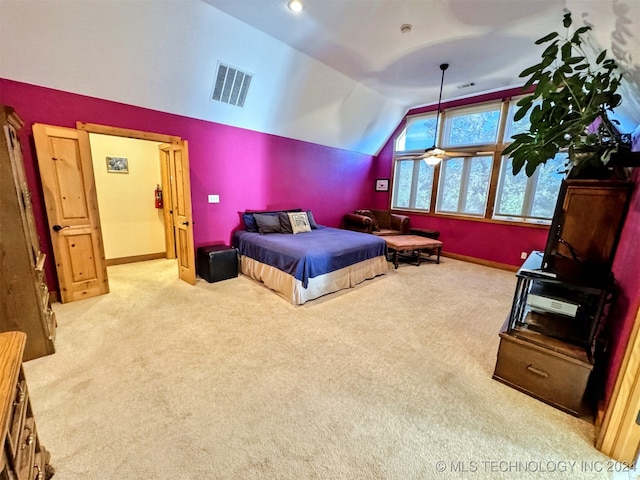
pixel 377 222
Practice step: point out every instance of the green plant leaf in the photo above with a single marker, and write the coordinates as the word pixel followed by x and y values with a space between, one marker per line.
pixel 528 71
pixel 533 79
pixel 558 77
pixel 573 60
pixel 566 68
pixel 550 52
pixel 521 113
pixel 546 38
pixel 517 164
pixel 544 85
pixel 531 168
pixel 566 20
pixel 601 57
pixel 581 30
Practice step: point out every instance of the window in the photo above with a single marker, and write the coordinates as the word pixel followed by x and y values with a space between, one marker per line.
pixel 471 126
pixel 418 134
pixel 413 184
pixel 531 199
pixel 463 184
pixel 413 178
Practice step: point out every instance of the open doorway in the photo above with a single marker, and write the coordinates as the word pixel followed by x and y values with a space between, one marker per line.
pixel 129 186
pixel 173 158
pixel 176 183
pixel 67 173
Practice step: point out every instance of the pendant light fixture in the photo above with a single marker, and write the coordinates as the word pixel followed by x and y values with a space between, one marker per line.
pixel 434 155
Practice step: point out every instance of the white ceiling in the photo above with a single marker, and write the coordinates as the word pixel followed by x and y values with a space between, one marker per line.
pixel 340 73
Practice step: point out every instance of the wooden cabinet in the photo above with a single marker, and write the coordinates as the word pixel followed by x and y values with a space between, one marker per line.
pixel 23 457
pixel 548 345
pixel 586 226
pixel 556 377
pixel 24 295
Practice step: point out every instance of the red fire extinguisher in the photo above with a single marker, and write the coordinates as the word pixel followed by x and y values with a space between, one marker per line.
pixel 158 197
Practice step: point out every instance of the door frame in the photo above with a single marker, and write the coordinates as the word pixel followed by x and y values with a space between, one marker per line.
pixel 170 245
pixel 619 436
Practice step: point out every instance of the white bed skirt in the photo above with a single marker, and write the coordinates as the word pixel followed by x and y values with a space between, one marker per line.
pixel 290 288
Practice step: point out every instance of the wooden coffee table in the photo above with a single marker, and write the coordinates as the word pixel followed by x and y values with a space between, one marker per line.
pixel 413 245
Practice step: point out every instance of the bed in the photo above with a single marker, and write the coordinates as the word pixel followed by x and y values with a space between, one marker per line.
pixel 304 266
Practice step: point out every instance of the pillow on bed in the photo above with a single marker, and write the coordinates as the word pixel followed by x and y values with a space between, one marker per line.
pixel 312 221
pixel 250 224
pixel 268 222
pixel 299 222
pixel 285 223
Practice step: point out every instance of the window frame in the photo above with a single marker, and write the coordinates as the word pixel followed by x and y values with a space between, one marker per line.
pixel 464 188
pixel 528 201
pixel 494 150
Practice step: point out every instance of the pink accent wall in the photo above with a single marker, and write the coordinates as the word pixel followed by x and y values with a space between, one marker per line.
pixel 504 243
pixel 249 170
pixel 626 270
pixel 488 241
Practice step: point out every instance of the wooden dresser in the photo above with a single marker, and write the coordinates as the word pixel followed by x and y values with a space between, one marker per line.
pixel 23 458
pixel 24 295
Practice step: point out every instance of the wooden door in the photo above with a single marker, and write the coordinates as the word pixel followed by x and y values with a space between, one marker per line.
pixel 181 206
pixel 66 170
pixel 167 201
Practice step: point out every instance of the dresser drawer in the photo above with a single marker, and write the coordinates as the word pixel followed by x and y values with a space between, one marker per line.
pixel 17 415
pixel 543 373
pixel 25 459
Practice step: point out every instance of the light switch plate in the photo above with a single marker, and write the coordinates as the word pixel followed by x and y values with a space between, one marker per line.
pixel 214 198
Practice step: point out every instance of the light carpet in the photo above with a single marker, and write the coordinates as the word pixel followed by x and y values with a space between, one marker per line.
pixel 389 380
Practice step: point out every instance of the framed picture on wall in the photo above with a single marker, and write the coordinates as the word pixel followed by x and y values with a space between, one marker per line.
pixel 117 165
pixel 382 185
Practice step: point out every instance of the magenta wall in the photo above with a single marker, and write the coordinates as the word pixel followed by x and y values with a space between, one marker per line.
pixel 494 242
pixel 249 170
pixel 626 269
pixel 504 243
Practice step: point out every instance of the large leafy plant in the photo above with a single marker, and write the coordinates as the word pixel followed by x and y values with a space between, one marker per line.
pixel 568 107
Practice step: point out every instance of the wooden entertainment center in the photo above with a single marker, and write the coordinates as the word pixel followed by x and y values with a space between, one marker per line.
pixel 549 342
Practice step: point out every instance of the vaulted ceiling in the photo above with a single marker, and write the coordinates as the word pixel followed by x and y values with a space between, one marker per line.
pixel 340 73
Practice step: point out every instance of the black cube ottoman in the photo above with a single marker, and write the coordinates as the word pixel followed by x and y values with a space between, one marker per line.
pixel 217 262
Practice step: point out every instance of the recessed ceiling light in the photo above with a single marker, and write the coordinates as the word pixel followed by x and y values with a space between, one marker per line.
pixel 295 6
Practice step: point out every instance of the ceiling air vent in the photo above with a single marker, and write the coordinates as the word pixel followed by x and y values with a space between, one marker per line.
pixel 231 85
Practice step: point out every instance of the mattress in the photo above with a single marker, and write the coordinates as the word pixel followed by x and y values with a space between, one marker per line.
pixel 311 264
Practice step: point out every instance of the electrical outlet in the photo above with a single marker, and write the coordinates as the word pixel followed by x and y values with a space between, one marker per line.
pixel 523 255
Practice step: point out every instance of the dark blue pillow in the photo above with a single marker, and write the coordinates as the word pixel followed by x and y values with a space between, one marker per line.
pixel 250 224
pixel 312 221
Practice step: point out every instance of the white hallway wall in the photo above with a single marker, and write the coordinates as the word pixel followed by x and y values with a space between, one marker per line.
pixel 131 225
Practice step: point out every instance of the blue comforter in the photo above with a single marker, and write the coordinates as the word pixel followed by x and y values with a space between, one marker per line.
pixel 310 254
